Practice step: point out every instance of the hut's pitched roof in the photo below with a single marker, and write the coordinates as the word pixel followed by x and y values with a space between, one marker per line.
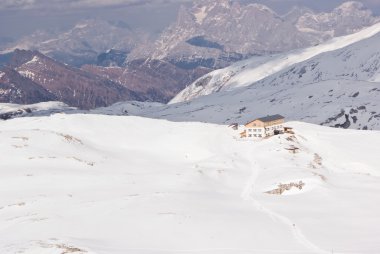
pixel 268 119
pixel 271 118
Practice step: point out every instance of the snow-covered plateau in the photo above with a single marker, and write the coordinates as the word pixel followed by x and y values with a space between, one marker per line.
pixel 99 184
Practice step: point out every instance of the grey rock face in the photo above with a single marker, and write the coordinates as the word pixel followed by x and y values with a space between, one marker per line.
pixel 217 33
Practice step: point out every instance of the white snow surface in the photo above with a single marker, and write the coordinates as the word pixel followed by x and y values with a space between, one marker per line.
pixel 117 185
pixel 201 14
pixel 35 59
pixel 255 69
pixel 27 74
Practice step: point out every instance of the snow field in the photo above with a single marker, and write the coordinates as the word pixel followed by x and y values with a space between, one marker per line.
pixel 106 184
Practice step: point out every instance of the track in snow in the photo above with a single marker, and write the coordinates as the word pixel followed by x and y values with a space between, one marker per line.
pixel 247 194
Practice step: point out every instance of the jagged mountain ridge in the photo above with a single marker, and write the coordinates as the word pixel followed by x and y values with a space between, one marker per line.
pixel 84 42
pixel 345 19
pixel 209 33
pixel 215 34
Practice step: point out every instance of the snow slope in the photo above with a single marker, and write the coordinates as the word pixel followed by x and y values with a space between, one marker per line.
pixel 69 185
pixel 337 103
pixel 339 88
pixel 250 71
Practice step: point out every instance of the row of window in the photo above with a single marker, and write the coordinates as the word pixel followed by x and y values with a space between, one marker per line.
pixel 274 128
pixel 267 129
pixel 255 135
pixel 254 130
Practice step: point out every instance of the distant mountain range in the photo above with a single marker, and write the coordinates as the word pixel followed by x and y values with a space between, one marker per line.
pixel 82 44
pixel 335 84
pixel 217 33
pixel 117 63
pixel 32 77
pixel 210 33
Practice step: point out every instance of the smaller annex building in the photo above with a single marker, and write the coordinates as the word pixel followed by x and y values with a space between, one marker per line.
pixel 264 127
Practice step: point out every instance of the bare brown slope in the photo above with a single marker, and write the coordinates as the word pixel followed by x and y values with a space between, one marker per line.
pixel 14 88
pixel 73 86
pixel 156 80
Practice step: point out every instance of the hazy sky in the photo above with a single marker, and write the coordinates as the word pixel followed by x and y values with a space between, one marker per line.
pixel 21 17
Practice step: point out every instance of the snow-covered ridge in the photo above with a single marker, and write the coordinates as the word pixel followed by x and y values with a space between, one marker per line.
pixel 262 7
pixel 248 72
pixel 349 6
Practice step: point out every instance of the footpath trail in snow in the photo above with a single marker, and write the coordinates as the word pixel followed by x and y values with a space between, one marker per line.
pixel 248 194
pixel 117 185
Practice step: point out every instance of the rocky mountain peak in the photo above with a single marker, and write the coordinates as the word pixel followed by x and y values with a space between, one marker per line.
pixel 351 6
pixel 262 8
pixel 296 12
pixel 82 43
pixel 347 18
pixel 216 33
pixel 22 56
pixel 213 3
